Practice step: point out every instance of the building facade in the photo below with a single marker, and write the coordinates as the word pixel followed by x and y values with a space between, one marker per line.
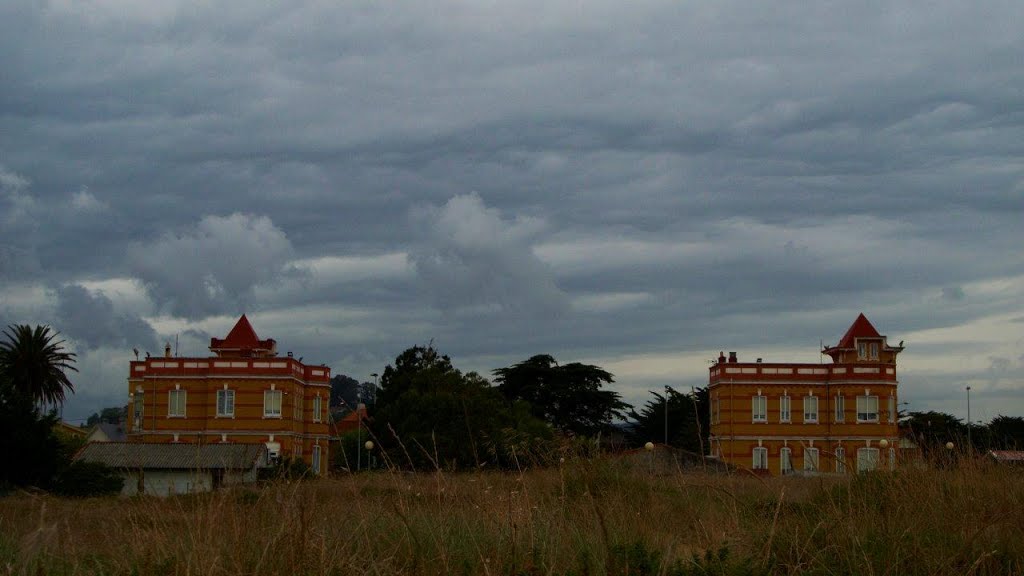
pixel 243 393
pixel 782 418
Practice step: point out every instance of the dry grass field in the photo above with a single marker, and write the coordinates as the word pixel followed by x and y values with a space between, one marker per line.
pixel 585 517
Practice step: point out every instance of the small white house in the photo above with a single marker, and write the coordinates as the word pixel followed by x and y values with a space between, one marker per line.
pixel 173 468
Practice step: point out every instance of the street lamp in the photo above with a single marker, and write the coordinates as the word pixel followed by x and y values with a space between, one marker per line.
pixel 369 448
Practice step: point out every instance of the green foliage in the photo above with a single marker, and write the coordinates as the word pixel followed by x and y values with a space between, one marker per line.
pixel 32 452
pixel 568 397
pixel 34 364
pixel 286 469
pixel 351 452
pixel 111 415
pixel 432 415
pixel 349 392
pixel 82 479
pixel 1007 432
pixel 688 424
pixel 931 430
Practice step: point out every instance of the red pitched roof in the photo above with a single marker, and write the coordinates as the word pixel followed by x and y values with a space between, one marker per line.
pixel 241 337
pixel 861 328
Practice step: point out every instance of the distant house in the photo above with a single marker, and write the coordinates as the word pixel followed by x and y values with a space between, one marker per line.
pixel 350 422
pixel 106 432
pixel 163 469
pixel 786 416
pixel 243 393
pixel 1014 457
pixel 69 430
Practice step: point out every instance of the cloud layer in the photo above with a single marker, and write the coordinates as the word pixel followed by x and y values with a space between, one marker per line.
pixel 637 186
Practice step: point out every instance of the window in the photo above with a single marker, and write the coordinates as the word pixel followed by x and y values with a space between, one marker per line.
pixel 867 459
pixel 784 411
pixel 297 406
pixel 862 351
pixel 811 459
pixel 785 461
pixel 867 408
pixel 271 403
pixel 176 404
pixel 316 409
pixel 139 405
pixel 760 458
pixel 759 406
pixel 316 459
pixel 874 350
pixel 892 409
pixel 810 408
pixel 840 408
pixel 841 460
pixel 225 403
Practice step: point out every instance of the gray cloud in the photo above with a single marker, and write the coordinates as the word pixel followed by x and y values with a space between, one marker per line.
pixel 471 261
pixel 91 321
pixel 649 178
pixel 213 267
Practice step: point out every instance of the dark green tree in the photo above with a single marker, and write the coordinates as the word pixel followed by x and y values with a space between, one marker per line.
pixel 688 424
pixel 932 429
pixel 345 391
pixel 111 415
pixel 568 397
pixel 1007 432
pixel 432 415
pixel 35 364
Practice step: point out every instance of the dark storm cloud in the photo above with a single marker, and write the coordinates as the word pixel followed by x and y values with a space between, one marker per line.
pixel 598 181
pixel 92 322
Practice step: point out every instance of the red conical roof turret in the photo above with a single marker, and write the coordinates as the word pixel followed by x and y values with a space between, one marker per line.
pixel 243 341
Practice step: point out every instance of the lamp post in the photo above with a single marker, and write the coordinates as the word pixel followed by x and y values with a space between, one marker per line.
pixel 969 417
pixel 369 448
pixel 374 388
pixel 359 432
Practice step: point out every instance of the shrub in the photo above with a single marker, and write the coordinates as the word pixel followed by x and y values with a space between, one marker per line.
pixel 286 469
pixel 81 479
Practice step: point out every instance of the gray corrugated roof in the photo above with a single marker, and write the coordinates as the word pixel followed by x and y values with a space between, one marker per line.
pixel 172 456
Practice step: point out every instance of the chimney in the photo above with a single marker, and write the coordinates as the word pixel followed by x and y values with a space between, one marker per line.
pixel 721 357
pixel 167 350
pixel 732 358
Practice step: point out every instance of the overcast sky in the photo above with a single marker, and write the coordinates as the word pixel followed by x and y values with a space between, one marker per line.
pixel 633 184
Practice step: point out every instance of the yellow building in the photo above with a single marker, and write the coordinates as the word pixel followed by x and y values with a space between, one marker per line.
pixel 780 418
pixel 244 393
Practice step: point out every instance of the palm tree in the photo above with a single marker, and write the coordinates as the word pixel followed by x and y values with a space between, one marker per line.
pixel 34 363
